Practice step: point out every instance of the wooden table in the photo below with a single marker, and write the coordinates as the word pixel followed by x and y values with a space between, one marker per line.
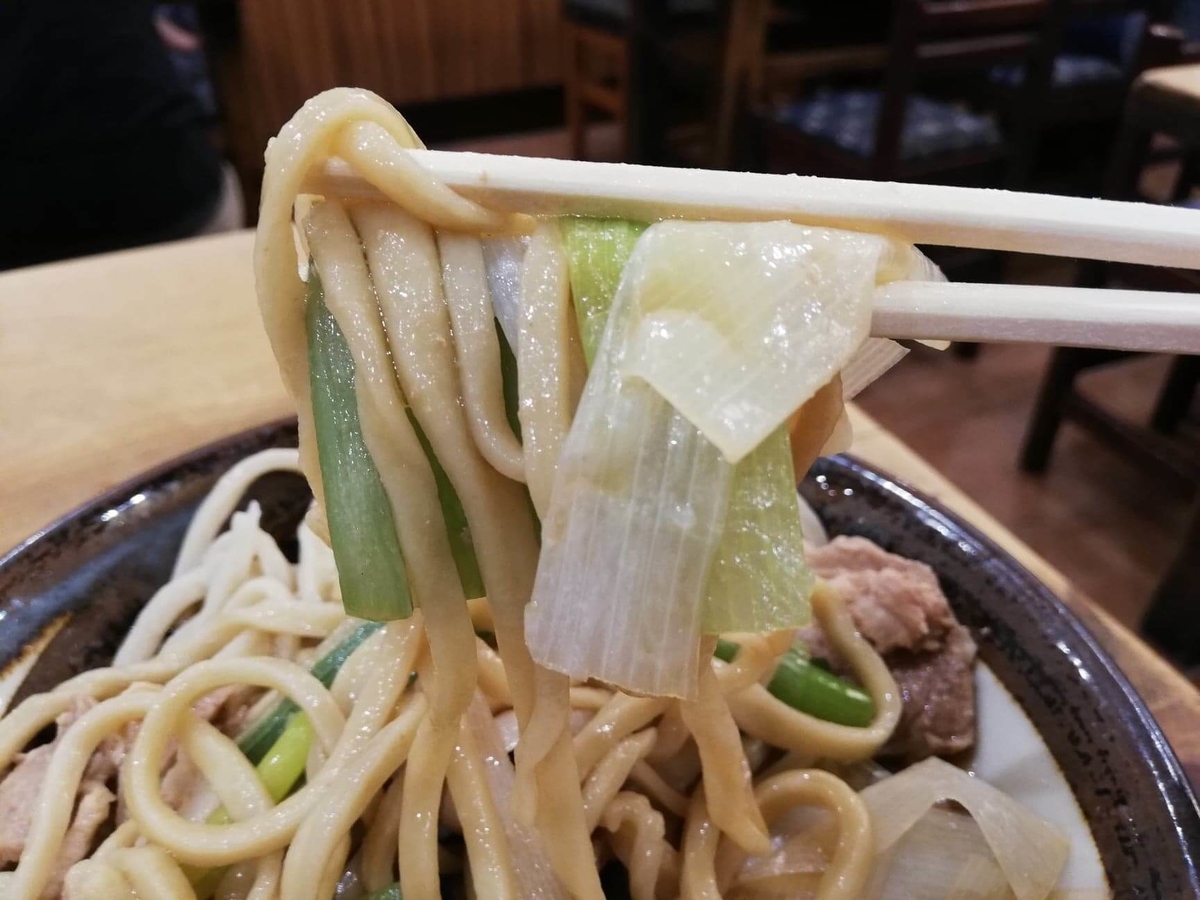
pixel 115 363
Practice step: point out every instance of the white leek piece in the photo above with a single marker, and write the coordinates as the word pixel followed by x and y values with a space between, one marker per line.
pixel 637 508
pixel 626 547
pixel 756 318
pixel 534 875
pixel 741 323
pixel 759 580
pixel 1030 851
pixel 873 359
pixel 944 851
pixel 504 258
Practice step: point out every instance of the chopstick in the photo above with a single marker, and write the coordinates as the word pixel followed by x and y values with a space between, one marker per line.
pixel 919 213
pixel 1152 321
pixel 977 218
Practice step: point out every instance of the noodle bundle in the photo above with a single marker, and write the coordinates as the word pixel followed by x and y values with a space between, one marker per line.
pixel 554 517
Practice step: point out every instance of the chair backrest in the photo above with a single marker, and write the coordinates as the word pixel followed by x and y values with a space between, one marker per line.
pixel 956 35
pixel 749 73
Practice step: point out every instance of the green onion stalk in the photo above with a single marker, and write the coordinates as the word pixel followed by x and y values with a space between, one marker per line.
pixel 806 687
pixel 279 770
pixel 391 892
pixel 362 531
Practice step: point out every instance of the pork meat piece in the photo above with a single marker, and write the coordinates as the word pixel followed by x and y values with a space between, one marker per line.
pixel 95 801
pixel 896 602
pixel 938 688
pixel 898 606
pixel 20 788
pixel 18 793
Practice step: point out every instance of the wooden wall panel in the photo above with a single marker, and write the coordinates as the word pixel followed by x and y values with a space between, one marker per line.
pixel 541 25
pixel 408 51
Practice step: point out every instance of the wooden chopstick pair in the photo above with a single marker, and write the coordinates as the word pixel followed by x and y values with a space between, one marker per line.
pixel 1138 233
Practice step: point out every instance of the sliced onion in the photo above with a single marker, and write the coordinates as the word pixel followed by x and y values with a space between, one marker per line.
pixel 801 841
pixel 506 725
pixel 1029 851
pixel 814 531
pixel 794 852
pixel 871 360
pixel 350 886
pixel 799 854
pixel 980 878
pixel 535 878
pixel 790 887
pixel 943 849
pixel 739 324
pixel 503 257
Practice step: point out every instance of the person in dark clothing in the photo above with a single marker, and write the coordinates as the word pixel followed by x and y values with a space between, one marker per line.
pixel 102 146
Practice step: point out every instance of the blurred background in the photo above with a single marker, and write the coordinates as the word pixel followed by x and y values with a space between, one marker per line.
pixel 132 123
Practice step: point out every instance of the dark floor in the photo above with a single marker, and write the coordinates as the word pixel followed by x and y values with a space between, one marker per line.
pixel 1106 524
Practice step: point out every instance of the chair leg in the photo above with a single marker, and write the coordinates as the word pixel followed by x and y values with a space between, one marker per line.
pixel 1121 182
pixel 745 33
pixel 622 117
pixel 1189 177
pixel 965 349
pixel 1175 399
pixel 574 111
pixel 1057 386
pixel 1171 621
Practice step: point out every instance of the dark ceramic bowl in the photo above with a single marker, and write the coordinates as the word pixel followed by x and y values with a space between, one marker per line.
pixel 101 563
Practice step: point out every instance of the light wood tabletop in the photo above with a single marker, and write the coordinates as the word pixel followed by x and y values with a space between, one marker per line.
pixel 116 363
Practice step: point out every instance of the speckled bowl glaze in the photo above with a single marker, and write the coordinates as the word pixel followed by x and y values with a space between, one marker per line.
pixel 101 563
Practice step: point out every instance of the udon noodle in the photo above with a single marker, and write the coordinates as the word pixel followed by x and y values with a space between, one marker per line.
pixel 404 773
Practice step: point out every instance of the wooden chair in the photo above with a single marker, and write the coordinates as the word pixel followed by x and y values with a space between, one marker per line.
pixel 595 77
pixel 893 133
pixel 1165 100
pixel 1170 620
pixel 1162 101
pixel 750 68
pixel 618 57
pixel 1094 49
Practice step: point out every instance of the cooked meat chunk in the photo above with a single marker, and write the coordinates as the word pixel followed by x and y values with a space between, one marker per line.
pixel 939 698
pixel 211 704
pixel 95 800
pixel 186 791
pixel 18 794
pixel 20 788
pixel 898 606
pixel 110 753
pixel 896 602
